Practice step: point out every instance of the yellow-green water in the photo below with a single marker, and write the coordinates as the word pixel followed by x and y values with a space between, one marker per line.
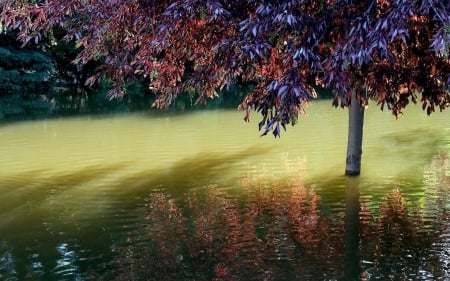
pixel 142 143
pixel 78 195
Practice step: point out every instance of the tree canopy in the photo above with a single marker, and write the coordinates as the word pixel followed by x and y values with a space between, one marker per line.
pixel 392 52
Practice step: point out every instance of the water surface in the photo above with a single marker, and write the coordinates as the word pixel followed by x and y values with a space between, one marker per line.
pixel 201 196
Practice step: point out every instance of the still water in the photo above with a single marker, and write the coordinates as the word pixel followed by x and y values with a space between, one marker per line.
pixel 201 196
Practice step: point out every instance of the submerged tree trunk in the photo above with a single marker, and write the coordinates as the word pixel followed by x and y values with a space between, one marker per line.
pixel 355 136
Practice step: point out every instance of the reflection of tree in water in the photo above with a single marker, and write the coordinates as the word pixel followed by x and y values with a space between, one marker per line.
pixel 396 242
pixel 437 175
pixel 272 228
pixel 407 241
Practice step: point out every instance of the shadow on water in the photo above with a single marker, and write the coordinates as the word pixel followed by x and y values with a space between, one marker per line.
pixel 420 143
pixel 42 179
pixel 199 170
pixel 65 215
pixel 32 192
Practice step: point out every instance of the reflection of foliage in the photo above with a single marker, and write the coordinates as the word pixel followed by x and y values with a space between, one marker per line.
pixel 166 229
pixel 398 227
pixel 271 231
pixel 272 228
pixel 398 241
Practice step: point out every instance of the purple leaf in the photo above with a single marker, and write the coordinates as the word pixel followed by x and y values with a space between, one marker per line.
pixel 255 30
pixel 282 90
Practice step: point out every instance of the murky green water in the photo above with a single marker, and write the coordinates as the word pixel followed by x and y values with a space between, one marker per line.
pixel 200 196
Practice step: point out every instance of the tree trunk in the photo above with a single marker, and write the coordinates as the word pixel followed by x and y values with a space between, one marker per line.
pixel 355 136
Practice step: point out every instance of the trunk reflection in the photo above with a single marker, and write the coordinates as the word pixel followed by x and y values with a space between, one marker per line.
pixel 352 267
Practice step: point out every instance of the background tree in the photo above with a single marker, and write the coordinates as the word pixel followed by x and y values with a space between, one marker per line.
pixel 388 51
pixel 27 77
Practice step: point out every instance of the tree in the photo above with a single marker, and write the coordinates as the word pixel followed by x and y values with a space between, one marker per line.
pixel 388 51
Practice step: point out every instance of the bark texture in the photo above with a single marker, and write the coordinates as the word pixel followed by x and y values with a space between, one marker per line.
pixel 355 136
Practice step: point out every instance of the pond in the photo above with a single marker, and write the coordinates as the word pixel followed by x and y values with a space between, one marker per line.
pixel 201 196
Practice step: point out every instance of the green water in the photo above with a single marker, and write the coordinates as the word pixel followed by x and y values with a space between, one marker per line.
pixel 201 196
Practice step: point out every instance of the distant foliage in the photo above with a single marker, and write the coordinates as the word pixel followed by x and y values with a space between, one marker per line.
pixel 389 51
